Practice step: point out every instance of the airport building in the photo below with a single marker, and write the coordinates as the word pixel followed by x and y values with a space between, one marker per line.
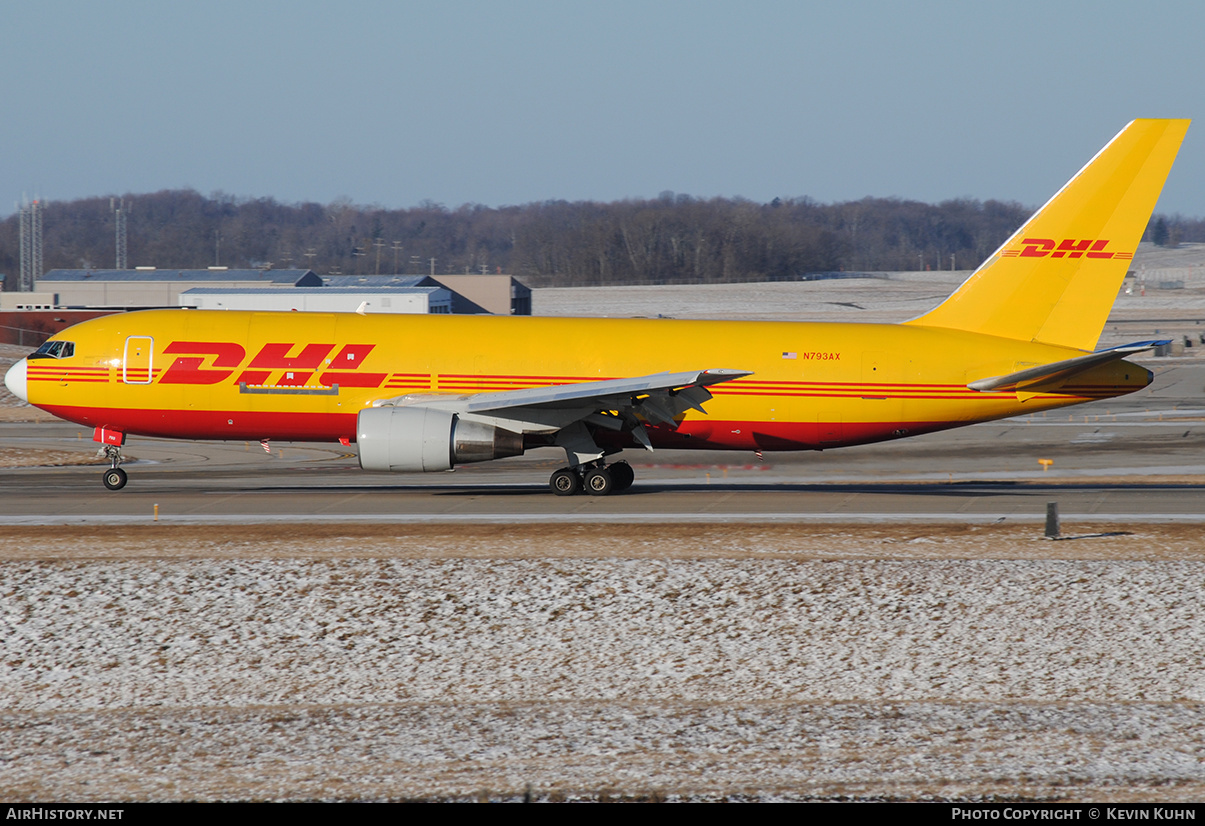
pixel 322 299
pixel 67 296
pixel 149 287
pixel 471 294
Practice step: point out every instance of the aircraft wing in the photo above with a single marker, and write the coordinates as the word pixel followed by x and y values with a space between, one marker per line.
pixel 602 394
pixel 616 404
pixel 1061 369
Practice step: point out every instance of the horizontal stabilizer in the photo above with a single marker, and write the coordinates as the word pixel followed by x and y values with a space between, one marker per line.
pixel 1059 370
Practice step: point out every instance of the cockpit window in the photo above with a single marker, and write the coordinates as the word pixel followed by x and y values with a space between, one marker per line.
pixel 54 350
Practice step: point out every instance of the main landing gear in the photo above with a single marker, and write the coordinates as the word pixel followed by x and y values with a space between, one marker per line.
pixel 596 479
pixel 115 478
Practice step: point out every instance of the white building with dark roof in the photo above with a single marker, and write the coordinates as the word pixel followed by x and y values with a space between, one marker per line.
pixel 149 287
pixel 471 294
pixel 321 299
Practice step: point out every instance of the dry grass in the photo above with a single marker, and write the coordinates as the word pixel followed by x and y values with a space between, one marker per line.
pixel 1086 541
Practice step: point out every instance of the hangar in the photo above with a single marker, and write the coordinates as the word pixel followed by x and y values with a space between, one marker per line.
pixel 151 287
pixel 67 296
pixel 147 287
pixel 322 299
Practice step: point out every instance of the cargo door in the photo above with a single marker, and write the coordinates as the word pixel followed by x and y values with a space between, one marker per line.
pixel 136 363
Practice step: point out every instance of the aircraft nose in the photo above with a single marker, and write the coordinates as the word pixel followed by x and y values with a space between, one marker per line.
pixel 15 380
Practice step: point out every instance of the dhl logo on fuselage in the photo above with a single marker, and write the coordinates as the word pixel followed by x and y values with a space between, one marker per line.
pixel 1067 248
pixel 213 362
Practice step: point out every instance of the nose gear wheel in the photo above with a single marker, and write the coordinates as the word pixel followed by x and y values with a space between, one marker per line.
pixel 114 478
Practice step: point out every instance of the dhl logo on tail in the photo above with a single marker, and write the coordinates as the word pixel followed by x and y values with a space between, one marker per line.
pixel 1068 247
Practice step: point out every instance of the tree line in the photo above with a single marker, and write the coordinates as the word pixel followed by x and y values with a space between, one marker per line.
pixel 671 239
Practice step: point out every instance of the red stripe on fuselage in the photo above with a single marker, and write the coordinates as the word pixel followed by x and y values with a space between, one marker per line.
pixel 331 427
pixel 204 425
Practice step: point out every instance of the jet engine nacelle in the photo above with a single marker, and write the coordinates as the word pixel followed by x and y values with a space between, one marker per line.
pixel 411 439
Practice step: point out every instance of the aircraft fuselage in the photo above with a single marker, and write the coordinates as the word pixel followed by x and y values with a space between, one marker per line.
pixel 305 376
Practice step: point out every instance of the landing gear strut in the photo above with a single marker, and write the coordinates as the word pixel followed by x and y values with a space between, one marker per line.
pixel 596 479
pixel 115 478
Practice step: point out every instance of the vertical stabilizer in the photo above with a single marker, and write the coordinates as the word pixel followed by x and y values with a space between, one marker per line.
pixel 1055 280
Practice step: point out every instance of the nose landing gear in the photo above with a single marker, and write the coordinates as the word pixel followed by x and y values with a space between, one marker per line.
pixel 115 478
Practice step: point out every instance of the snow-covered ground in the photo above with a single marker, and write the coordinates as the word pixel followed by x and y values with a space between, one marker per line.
pixel 905 666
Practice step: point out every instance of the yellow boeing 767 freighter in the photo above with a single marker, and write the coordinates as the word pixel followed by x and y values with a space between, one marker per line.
pixel 423 393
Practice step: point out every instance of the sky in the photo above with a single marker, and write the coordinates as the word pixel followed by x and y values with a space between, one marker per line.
pixel 506 102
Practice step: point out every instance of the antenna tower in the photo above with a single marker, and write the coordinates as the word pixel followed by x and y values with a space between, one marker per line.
pixel 119 224
pixel 31 245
